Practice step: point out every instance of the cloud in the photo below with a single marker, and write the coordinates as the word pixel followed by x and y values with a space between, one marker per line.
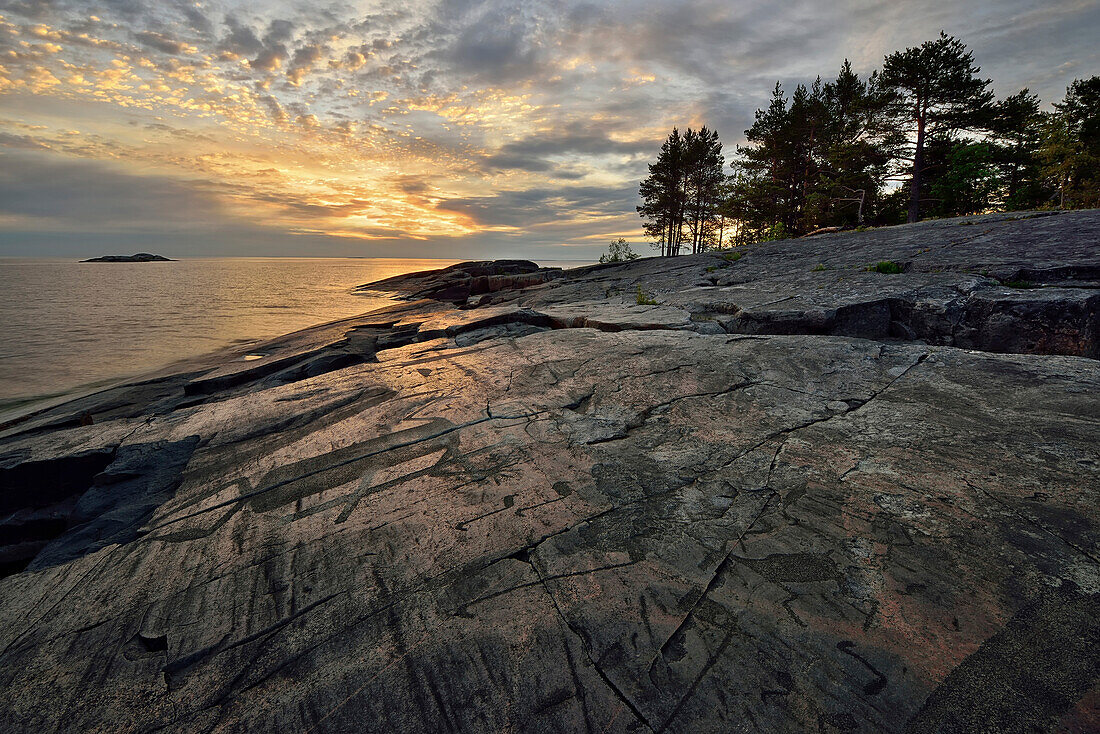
pixel 278 114
pixel 28 8
pixel 467 124
pixel 242 40
pixel 10 140
pixel 160 42
pixel 495 50
pixel 533 207
pixel 270 58
pixel 304 60
pixel 58 193
pixel 577 139
pixel 196 19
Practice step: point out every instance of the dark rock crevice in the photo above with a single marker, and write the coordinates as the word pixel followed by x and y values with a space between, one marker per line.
pixel 179 667
pixel 122 497
pixel 1056 276
pixel 37 499
pixel 1052 325
pixel 60 509
pixel 993 320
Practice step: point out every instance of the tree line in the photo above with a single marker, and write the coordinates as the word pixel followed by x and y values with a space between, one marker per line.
pixel 924 136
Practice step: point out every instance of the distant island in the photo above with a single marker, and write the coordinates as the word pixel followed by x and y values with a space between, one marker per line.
pixel 139 257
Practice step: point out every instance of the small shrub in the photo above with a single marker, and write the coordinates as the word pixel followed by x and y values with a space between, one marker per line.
pixel 777 231
pixel 712 268
pixel 886 267
pixel 644 299
pixel 732 257
pixel 619 252
pixel 817 268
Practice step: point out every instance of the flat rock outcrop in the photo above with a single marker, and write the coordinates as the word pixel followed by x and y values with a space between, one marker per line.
pixel 782 498
pixel 458 282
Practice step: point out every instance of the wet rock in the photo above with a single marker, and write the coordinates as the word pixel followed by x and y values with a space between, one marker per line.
pixel 790 499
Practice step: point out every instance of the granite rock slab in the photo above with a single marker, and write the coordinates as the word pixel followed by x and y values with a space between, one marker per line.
pixel 784 498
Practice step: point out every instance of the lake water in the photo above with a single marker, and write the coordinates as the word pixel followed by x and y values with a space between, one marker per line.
pixel 67 326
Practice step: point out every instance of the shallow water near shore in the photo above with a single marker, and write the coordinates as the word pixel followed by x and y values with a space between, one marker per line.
pixel 69 327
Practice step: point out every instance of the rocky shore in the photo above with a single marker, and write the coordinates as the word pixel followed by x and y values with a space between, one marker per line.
pixel 793 493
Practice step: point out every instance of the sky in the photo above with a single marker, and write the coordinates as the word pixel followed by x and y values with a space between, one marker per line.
pixel 443 128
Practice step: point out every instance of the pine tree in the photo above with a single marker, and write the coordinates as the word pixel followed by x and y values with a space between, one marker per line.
pixel 1081 109
pixel 935 91
pixel 618 252
pixel 1070 154
pixel 763 194
pixel 704 178
pixel 684 189
pixel 806 133
pixel 1015 138
pixel 819 161
pixel 858 146
pixel 962 177
pixel 663 196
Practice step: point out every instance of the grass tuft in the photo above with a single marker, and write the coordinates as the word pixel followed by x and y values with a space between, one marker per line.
pixel 644 299
pixel 886 267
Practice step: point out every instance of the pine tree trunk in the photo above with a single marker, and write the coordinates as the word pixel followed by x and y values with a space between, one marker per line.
pixel 697 232
pixel 914 186
pixel 679 230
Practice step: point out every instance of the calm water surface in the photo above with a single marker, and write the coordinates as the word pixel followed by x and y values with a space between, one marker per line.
pixel 68 326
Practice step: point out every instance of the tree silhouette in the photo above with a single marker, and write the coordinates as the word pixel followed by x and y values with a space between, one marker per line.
pixel 684 189
pixel 663 196
pixel 935 91
pixel 1015 137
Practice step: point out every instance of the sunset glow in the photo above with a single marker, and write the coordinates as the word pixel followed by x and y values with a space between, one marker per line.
pixel 424 128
